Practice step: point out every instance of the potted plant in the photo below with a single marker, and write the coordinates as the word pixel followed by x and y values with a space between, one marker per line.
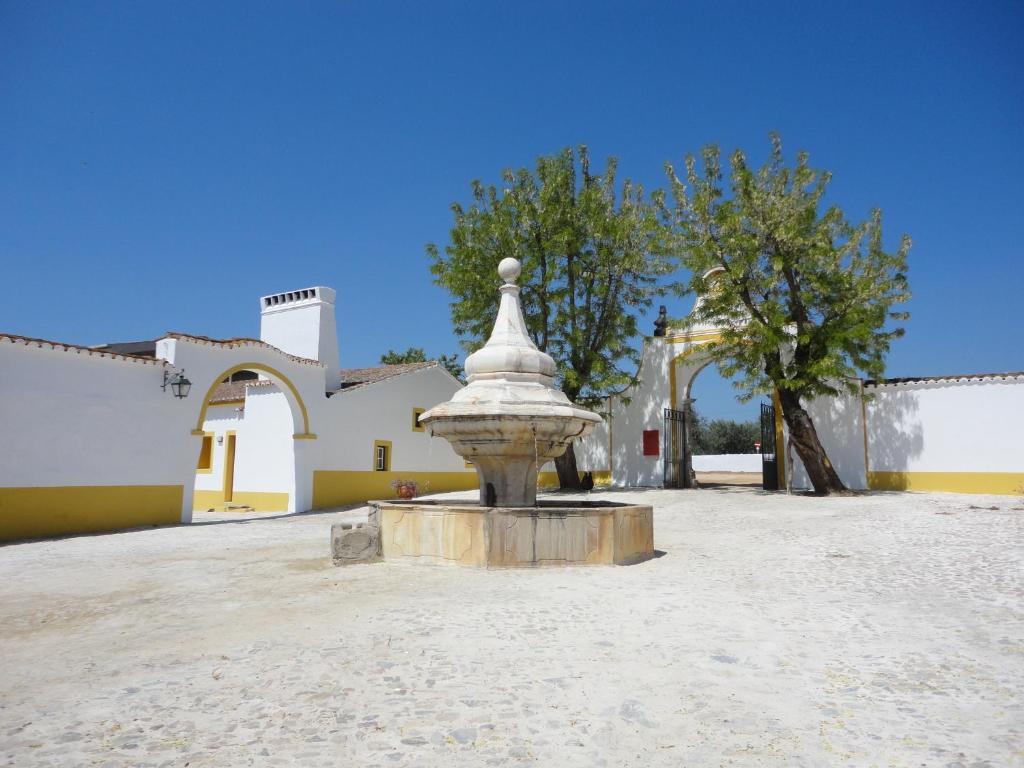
pixel 405 489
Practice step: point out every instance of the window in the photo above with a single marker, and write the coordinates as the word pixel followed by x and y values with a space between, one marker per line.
pixel 416 413
pixel 651 443
pixel 206 454
pixel 382 455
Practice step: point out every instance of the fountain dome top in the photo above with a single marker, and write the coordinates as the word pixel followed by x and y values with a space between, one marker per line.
pixel 510 352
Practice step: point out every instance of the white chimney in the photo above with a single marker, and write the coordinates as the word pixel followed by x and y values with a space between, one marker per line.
pixel 302 323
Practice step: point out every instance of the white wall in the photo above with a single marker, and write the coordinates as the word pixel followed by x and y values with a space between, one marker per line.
pixel 947 426
pixel 205 364
pixel 264 447
pixel 72 418
pixel 220 419
pixel 728 462
pixel 840 426
pixel 644 411
pixel 355 418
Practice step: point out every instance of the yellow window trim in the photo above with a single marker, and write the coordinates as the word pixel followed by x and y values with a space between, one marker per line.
pixel 416 413
pixel 387 455
pixel 208 469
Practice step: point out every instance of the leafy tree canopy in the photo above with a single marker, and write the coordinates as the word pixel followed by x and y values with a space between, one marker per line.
pixel 808 297
pixel 594 257
pixel 718 436
pixel 417 355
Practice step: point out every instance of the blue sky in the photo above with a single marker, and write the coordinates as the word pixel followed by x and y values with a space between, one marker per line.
pixel 164 165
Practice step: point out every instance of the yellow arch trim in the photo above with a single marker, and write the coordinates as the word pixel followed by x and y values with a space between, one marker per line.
pixel 304 435
pixel 689 351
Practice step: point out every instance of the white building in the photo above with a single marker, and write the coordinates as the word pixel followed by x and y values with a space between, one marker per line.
pixel 960 433
pixel 95 438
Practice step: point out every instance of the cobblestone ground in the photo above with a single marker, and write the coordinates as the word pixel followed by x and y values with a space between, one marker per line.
pixel 774 631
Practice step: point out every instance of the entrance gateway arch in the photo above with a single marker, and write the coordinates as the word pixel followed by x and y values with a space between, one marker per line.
pixel 688 358
pixel 644 442
pixel 209 362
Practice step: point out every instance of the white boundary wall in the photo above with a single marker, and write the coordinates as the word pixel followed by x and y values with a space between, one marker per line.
pixel 728 462
pixel 959 425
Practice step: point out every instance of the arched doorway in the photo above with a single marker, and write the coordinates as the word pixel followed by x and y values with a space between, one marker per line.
pixel 250 419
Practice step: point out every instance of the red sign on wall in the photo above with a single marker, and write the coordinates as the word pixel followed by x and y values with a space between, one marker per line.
pixel 651 447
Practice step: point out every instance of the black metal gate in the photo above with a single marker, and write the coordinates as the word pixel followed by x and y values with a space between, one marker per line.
pixel 674 449
pixel 769 461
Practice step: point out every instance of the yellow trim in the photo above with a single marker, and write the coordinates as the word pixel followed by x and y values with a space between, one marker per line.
pixel 230 446
pixel 332 488
pixel 672 366
pixel 550 479
pixel 387 455
pixel 416 413
pixel 682 338
pixel 260 501
pixel 1003 483
pixel 208 469
pixel 303 436
pixel 780 442
pixel 33 512
pixel 254 367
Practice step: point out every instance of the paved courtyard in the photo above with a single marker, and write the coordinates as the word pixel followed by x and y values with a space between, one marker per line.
pixel 879 630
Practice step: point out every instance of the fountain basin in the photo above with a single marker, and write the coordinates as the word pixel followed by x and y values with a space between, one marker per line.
pixel 551 534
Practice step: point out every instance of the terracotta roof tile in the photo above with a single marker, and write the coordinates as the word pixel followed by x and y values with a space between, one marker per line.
pixel 353 378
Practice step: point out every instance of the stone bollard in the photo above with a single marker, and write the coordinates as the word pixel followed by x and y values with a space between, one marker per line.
pixel 358 544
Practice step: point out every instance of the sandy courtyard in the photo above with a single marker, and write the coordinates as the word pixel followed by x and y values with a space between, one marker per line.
pixel 879 630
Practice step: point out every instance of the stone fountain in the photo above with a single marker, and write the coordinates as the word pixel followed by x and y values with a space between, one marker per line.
pixel 508 422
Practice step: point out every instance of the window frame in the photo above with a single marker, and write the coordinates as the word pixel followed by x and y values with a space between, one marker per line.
pixel 208 469
pixel 377 445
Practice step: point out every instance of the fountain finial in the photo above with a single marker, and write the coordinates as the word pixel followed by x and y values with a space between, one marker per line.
pixel 509 269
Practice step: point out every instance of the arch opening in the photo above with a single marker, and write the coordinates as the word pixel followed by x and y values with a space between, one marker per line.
pixel 715 443
pixel 248 424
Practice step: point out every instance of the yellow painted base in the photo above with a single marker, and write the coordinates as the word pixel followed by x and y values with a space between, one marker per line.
pixel 259 501
pixel 549 480
pixel 1007 483
pixel 333 488
pixel 28 513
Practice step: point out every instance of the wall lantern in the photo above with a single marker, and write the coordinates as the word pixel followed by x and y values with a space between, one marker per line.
pixel 179 384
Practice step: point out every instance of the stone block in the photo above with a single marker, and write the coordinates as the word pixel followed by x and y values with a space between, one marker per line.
pixel 359 543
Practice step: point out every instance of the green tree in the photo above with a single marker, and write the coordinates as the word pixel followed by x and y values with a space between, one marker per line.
pixel 718 436
pixel 808 296
pixel 594 256
pixel 417 355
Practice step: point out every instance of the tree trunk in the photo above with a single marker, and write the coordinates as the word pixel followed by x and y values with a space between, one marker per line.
pixel 804 438
pixel 568 475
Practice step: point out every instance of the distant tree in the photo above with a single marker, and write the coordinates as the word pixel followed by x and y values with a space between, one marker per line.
pixel 417 355
pixel 808 296
pixel 594 257
pixel 411 355
pixel 727 436
pixel 711 438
